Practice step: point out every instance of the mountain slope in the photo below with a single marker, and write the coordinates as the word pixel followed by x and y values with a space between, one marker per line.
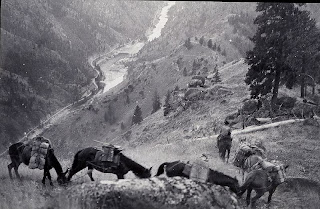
pixel 45 46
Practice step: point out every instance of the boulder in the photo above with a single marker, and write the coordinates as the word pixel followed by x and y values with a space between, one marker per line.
pixel 250 106
pixel 194 94
pixel 195 83
pixel 199 77
pixel 286 102
pixel 153 193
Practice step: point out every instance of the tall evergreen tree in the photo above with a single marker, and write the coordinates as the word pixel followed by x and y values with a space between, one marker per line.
pixel 166 106
pixel 268 60
pixel 303 51
pixel 156 104
pixel 188 44
pixel 214 47
pixel 216 78
pixel 201 40
pixel 210 45
pixel 137 115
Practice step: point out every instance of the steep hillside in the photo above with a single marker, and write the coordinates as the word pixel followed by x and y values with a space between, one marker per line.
pixel 227 25
pixel 45 46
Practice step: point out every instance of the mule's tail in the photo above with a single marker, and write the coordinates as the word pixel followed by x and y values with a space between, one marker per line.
pixel 161 169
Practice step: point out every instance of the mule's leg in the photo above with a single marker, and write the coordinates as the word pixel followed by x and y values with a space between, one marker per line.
pixel 10 166
pixel 223 154
pixel 270 193
pixel 44 177
pixel 228 154
pixel 16 171
pixel 255 198
pixel 249 190
pixel 89 172
pixel 49 177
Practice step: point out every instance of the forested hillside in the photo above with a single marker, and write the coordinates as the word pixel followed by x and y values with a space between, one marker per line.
pixel 45 46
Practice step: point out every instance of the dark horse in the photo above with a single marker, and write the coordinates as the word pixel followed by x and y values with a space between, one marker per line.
pixel 224 144
pixel 85 158
pixel 21 153
pixel 258 181
pixel 176 169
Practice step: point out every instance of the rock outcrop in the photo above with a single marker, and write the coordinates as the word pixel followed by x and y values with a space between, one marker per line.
pixel 150 193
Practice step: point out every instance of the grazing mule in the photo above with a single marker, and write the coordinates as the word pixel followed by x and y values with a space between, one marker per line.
pixel 176 169
pixel 224 145
pixel 86 158
pixel 21 153
pixel 258 180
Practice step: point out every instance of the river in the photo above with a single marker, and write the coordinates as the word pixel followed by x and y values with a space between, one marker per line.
pixel 112 67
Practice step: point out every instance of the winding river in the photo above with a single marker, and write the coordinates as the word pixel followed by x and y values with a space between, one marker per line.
pixel 112 67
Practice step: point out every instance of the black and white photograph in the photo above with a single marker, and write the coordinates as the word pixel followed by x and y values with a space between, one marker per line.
pixel 130 104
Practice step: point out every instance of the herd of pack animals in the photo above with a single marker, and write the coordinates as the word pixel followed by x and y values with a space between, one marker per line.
pixel 257 179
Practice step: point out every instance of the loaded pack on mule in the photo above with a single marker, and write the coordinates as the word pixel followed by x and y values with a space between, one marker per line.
pixel 40 146
pixel 198 171
pixel 246 149
pixel 108 160
pixel 263 176
pixel 36 154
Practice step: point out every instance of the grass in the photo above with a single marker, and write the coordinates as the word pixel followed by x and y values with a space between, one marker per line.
pixel 158 139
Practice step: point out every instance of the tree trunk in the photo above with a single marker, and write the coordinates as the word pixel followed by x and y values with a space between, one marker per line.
pixel 275 88
pixel 302 89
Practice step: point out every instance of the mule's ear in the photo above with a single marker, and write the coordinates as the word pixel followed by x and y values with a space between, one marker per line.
pixel 150 168
pixel 286 166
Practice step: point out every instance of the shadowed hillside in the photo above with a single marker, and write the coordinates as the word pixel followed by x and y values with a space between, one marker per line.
pixel 45 46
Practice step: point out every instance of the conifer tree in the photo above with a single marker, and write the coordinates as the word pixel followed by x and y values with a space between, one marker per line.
pixel 156 104
pixel 270 61
pixel 166 105
pixel 188 44
pixel 216 77
pixel 214 47
pixel 201 40
pixel 137 115
pixel 210 45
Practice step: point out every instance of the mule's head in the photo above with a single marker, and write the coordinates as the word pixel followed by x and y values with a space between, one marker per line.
pixel 62 179
pixel 146 173
pixel 235 186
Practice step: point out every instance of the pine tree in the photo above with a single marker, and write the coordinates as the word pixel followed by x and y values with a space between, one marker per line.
pixel 210 45
pixel 214 47
pixel 224 53
pixel 185 71
pixel 166 105
pixel 188 44
pixel 201 40
pixel 218 48
pixel 303 54
pixel 156 104
pixel 122 126
pixel 216 77
pixel 270 60
pixel 137 115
